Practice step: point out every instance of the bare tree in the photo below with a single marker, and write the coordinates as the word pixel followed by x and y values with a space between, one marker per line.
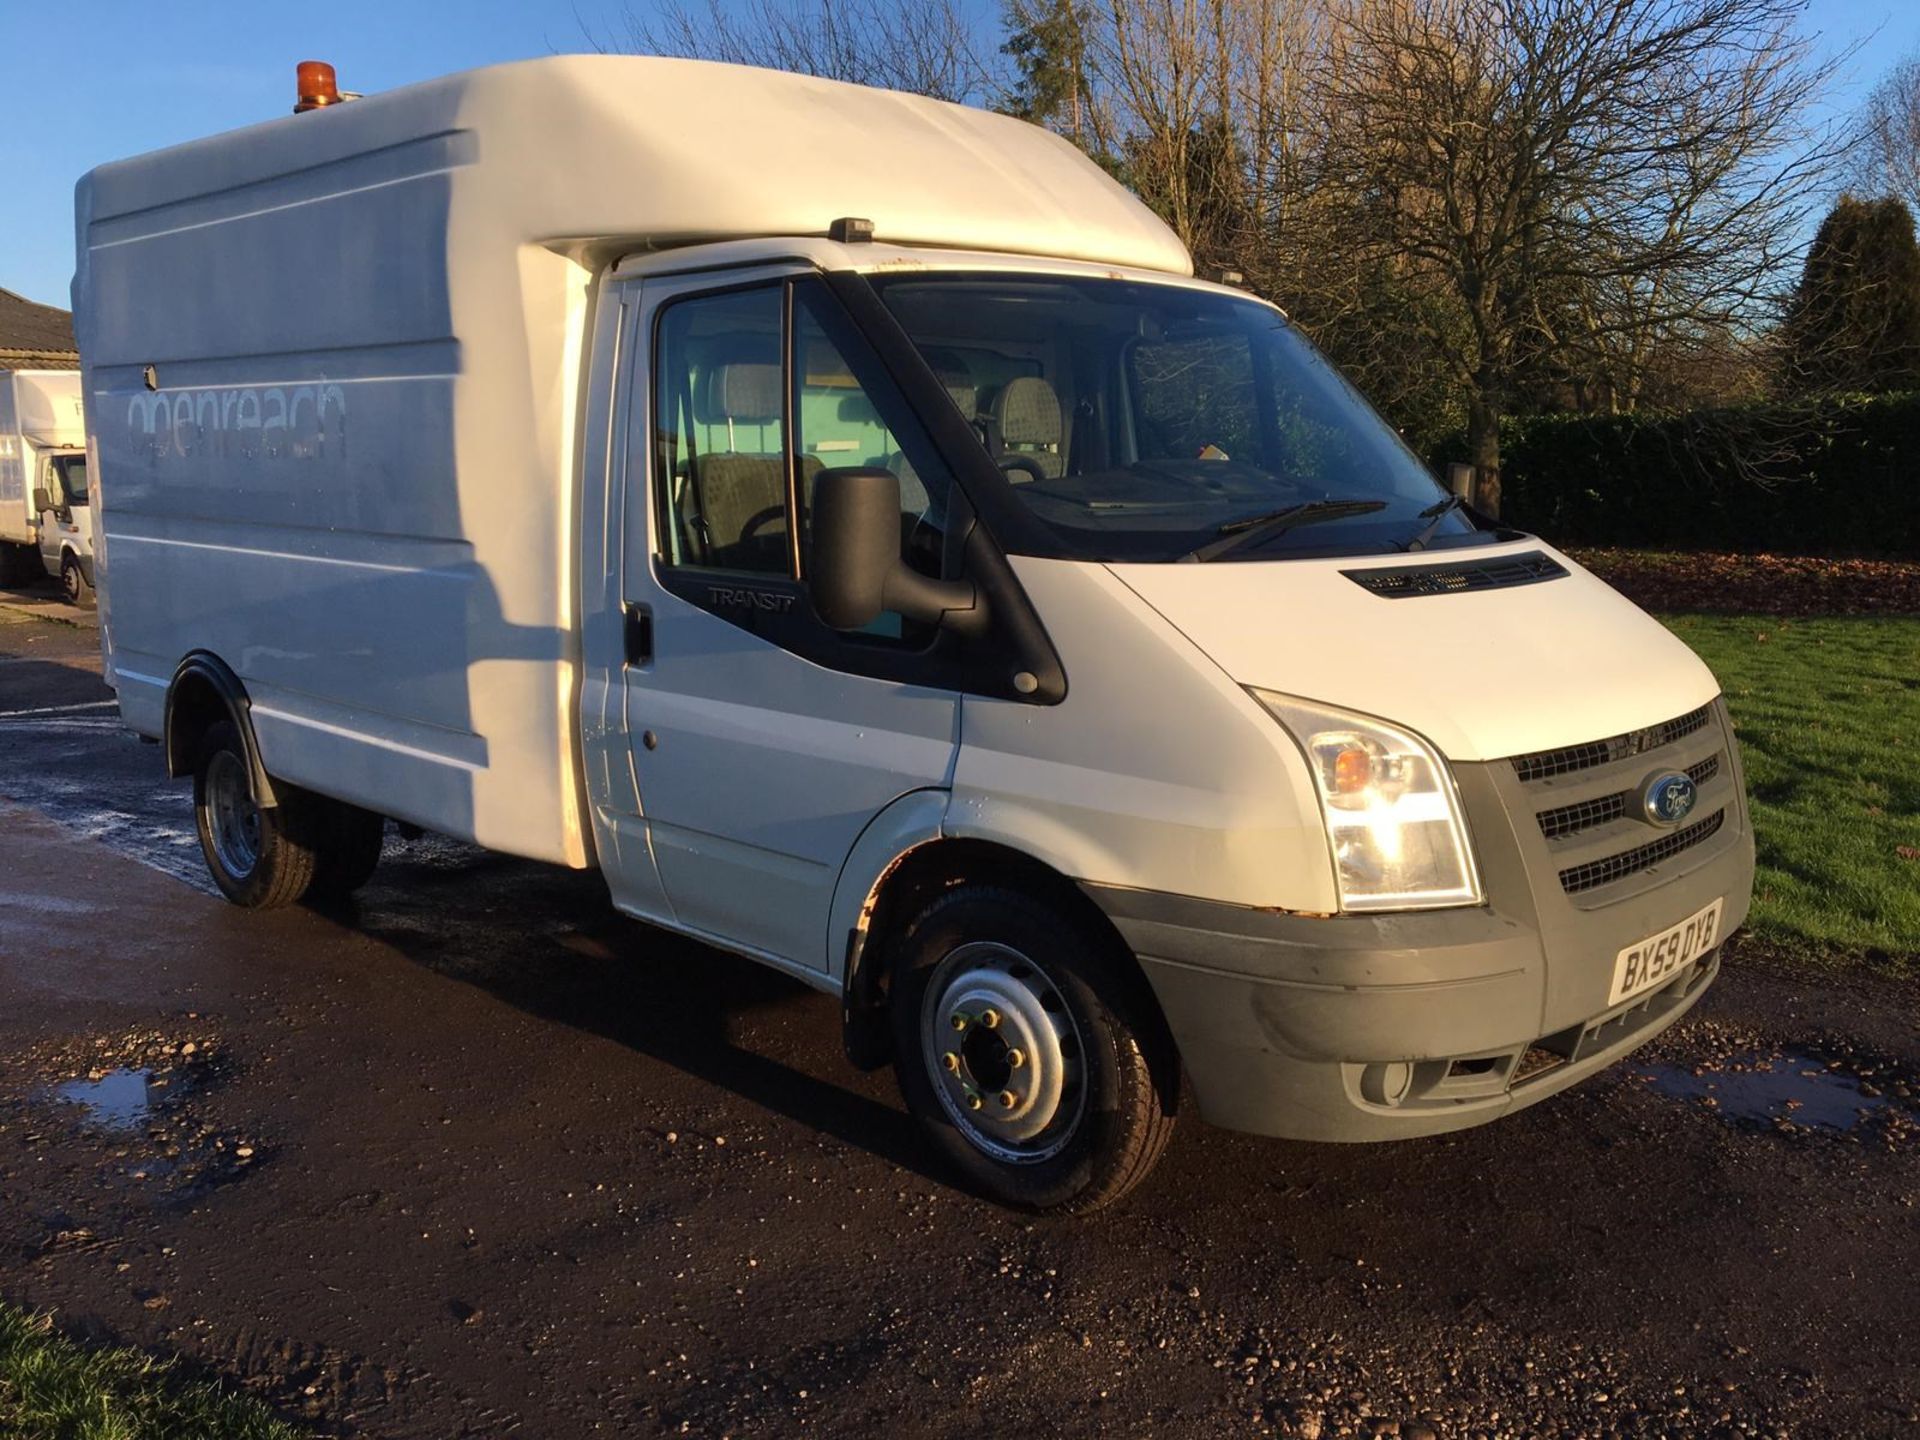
pixel 1886 155
pixel 1568 177
pixel 929 47
pixel 1194 103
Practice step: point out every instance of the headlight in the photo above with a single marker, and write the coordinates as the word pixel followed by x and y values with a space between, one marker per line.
pixel 1393 817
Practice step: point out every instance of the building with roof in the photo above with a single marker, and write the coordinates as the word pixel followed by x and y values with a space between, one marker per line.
pixel 35 337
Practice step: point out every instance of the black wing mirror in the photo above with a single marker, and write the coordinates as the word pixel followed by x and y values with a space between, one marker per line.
pixel 857 573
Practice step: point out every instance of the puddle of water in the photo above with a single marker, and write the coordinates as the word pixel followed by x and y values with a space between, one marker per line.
pixel 118 1100
pixel 1791 1085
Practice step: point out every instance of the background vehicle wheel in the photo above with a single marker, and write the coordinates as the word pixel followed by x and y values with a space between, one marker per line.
pixel 19 564
pixel 73 581
pixel 351 841
pixel 259 858
pixel 1035 1062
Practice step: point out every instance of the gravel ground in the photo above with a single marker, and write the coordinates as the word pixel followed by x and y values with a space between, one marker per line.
pixel 476 1157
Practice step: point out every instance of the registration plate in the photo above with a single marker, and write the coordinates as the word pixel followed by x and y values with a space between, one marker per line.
pixel 1643 965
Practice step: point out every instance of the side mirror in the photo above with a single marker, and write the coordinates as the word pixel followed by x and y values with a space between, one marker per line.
pixel 856 572
pixel 42 500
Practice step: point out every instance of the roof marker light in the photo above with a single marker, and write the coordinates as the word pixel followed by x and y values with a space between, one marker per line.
pixel 315 86
pixel 850 230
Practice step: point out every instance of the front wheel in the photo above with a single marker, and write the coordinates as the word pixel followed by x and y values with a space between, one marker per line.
pixel 75 585
pixel 1031 1054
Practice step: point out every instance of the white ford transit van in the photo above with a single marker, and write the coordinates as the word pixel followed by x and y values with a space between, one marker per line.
pixel 843 520
pixel 45 521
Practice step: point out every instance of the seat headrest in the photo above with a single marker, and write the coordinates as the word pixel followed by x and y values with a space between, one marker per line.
pixel 745 391
pixel 1027 412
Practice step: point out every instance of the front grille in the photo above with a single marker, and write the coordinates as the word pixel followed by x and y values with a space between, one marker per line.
pixel 1596 873
pixel 1406 582
pixel 1545 764
pixel 1536 1061
pixel 1567 820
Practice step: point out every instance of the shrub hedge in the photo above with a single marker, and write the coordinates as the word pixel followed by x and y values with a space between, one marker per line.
pixel 1839 475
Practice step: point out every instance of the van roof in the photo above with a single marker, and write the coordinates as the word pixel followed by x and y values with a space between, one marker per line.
pixel 584 149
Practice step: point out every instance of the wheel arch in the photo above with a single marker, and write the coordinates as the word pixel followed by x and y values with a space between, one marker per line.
pixel 918 873
pixel 71 553
pixel 204 691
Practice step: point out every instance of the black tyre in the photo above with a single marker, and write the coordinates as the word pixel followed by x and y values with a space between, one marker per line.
pixel 352 840
pixel 19 564
pixel 260 858
pixel 1033 1055
pixel 75 585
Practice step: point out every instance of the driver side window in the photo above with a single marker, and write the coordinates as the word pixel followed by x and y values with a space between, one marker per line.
pixel 720 448
pixel 756 390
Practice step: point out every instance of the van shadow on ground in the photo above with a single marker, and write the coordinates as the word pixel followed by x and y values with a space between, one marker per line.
pixel 548 942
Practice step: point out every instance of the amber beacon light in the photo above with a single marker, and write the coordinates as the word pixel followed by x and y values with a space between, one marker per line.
pixel 316 86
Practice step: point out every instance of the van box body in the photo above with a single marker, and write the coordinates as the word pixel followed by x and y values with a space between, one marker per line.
pixel 367 328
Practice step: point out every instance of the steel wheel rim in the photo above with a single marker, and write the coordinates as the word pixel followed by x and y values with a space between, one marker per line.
pixel 1003 1053
pixel 70 581
pixel 233 820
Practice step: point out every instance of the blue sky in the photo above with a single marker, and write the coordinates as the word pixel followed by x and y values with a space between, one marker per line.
pixel 94 80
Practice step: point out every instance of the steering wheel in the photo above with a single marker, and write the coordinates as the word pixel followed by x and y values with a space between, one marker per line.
pixel 760 519
pixel 1023 462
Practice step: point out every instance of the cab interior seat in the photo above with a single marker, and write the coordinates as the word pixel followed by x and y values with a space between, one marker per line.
pixel 740 494
pixel 1026 421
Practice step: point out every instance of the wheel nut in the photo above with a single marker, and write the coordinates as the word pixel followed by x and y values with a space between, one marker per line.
pixel 959 1020
pixel 951 1061
pixel 1015 1059
pixel 990 1019
pixel 1008 1099
pixel 974 1102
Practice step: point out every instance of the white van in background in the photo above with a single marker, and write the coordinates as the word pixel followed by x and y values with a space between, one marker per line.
pixel 843 520
pixel 45 521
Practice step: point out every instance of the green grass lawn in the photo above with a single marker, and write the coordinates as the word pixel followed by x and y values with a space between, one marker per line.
pixel 54 1389
pixel 1828 715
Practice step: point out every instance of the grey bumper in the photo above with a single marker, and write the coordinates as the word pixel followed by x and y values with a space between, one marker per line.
pixel 1354 1027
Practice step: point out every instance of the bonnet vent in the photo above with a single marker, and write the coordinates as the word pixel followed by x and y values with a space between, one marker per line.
pixel 1403 584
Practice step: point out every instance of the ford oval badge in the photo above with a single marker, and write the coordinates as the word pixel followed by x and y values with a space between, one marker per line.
pixel 1667 798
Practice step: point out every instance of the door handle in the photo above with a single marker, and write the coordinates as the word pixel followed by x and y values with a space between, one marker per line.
pixel 637 630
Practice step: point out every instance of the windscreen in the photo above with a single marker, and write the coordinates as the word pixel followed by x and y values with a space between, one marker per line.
pixel 1151 422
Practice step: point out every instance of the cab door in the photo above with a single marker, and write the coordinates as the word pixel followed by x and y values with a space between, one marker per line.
pixel 763 742
pixel 63 477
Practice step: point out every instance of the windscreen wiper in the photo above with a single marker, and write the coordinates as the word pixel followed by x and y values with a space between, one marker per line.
pixel 1433 515
pixel 1251 529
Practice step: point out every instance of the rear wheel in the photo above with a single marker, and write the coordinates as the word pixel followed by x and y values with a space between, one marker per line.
pixel 19 564
pixel 1032 1057
pixel 74 583
pixel 259 857
pixel 352 841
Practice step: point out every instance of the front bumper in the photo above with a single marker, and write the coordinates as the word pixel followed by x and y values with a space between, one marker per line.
pixel 1357 1027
